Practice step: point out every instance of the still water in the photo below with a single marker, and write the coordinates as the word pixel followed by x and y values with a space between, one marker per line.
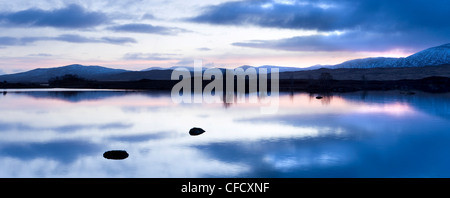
pixel 64 133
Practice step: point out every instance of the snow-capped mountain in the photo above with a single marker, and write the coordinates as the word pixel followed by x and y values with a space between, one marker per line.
pixel 439 55
pixel 433 56
pixel 368 63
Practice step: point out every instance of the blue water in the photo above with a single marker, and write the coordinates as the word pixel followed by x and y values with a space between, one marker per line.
pixel 64 133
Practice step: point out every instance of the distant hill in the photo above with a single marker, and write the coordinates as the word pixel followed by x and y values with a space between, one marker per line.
pixel 137 75
pixel 42 75
pixel 379 73
pixel 434 61
pixel 268 67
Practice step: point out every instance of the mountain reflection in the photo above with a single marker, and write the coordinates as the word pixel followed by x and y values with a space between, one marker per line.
pixel 361 134
pixel 75 95
pixel 19 126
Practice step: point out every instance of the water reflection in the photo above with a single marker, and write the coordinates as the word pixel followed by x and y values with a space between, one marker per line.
pixel 61 151
pixel 364 134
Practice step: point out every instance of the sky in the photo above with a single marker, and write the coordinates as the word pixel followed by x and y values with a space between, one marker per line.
pixel 139 34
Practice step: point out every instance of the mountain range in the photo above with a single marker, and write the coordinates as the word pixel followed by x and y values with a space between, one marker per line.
pixel 435 56
pixel 42 75
pixel 439 55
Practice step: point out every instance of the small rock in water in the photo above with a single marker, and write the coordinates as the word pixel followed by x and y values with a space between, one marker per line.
pixel 115 154
pixel 319 97
pixel 196 131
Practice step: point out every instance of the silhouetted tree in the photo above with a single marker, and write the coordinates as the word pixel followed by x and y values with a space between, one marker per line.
pixel 325 76
pixel 364 80
pixel 68 79
pixel 325 80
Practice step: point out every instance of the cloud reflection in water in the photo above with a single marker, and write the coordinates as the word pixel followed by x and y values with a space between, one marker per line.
pixel 54 136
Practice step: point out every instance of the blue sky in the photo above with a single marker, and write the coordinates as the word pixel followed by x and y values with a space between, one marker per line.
pixel 137 34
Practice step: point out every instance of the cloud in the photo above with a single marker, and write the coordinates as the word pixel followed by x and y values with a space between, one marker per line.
pixel 267 13
pixel 70 17
pixel 185 62
pixel 373 22
pixel 148 16
pixel 189 62
pixel 40 55
pixel 150 56
pixel 147 29
pixel 349 41
pixel 117 40
pixel 71 38
pixel 329 15
pixel 10 41
pixel 203 49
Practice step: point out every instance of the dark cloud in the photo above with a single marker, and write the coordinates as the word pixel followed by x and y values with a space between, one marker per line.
pixel 71 38
pixel 147 29
pixel 375 22
pixel 329 15
pixel 350 41
pixel 72 16
pixel 267 13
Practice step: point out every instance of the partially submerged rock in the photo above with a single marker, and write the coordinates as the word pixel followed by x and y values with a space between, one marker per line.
pixel 115 154
pixel 196 131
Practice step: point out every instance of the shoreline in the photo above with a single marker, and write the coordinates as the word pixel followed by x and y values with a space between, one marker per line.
pixel 434 84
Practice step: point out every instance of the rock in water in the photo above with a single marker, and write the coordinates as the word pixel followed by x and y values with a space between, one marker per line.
pixel 115 154
pixel 196 131
pixel 319 97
